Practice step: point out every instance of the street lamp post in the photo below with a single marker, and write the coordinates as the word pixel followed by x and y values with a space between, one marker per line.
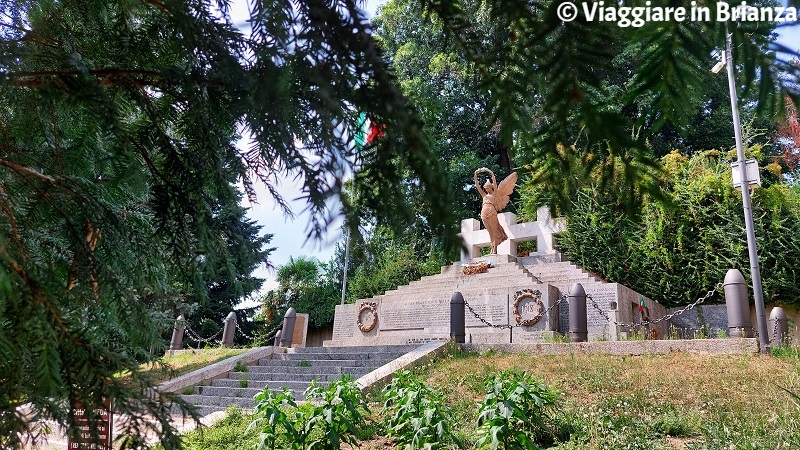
pixel 758 295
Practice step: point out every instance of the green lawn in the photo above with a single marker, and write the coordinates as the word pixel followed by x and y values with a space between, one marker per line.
pixel 675 401
pixel 170 367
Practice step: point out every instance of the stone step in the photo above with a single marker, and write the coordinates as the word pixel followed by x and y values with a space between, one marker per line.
pixel 569 281
pixel 468 280
pixel 249 392
pixel 320 356
pixel 378 349
pixel 313 363
pixel 557 272
pixel 272 384
pixel 204 410
pixel 438 292
pixel 289 371
pixel 220 402
pixel 234 377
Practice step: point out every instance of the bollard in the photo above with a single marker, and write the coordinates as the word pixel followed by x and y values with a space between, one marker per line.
pixel 176 343
pixel 287 332
pixel 779 327
pixel 739 323
pixel 229 330
pixel 278 339
pixel 578 329
pixel 457 321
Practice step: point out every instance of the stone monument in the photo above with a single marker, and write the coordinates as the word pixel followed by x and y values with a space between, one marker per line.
pixel 520 292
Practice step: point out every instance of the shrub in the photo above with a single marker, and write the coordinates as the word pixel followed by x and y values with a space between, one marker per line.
pixel 512 415
pixel 335 417
pixel 416 416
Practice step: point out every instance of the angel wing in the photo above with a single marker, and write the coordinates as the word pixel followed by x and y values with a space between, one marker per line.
pixel 505 189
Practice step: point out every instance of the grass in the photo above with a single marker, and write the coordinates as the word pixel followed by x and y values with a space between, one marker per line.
pixel 170 367
pixel 660 402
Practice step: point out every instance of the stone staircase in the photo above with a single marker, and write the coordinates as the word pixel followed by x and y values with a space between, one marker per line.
pixel 561 274
pixel 293 370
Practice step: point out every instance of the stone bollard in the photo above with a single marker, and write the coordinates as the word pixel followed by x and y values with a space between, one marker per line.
pixel 229 331
pixel 778 327
pixel 287 332
pixel 737 304
pixel 457 321
pixel 578 329
pixel 176 343
pixel 278 339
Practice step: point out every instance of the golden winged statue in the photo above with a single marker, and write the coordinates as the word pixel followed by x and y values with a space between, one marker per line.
pixel 495 198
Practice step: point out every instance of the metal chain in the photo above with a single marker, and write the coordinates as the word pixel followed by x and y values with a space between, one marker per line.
pixel 678 312
pixel 775 333
pixel 247 336
pixel 191 334
pixel 509 326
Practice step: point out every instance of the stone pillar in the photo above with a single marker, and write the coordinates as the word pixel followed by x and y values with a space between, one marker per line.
pixel 738 306
pixel 229 331
pixel 287 332
pixel 578 327
pixel 278 339
pixel 176 343
pixel 778 327
pixel 457 320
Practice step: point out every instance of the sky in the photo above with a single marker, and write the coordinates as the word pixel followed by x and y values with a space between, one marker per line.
pixel 290 234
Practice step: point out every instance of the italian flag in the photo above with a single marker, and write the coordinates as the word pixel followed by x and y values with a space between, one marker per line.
pixel 368 131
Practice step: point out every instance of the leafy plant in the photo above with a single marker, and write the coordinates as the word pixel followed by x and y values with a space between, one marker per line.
pixel 513 412
pixel 338 418
pixel 240 367
pixel 305 363
pixel 417 416
pixel 273 420
pixel 334 417
pixel 243 382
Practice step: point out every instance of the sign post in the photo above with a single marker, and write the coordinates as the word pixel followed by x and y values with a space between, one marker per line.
pixel 99 419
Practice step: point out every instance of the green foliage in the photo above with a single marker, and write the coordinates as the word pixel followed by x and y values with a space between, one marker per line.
pixel 513 414
pixel 230 433
pixel 240 367
pixel 338 415
pixel 119 175
pixel 675 253
pixel 415 414
pixel 273 421
pixel 395 264
pixel 335 415
pixel 306 285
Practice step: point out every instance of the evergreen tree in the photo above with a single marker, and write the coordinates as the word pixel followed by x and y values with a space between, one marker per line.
pixel 117 157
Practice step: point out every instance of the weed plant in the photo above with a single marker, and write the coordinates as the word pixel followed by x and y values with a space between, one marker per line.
pixel 514 413
pixel 333 416
pixel 415 415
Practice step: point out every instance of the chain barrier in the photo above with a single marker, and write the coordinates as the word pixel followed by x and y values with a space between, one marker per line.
pixel 246 336
pixel 192 335
pixel 519 325
pixel 775 333
pixel 648 322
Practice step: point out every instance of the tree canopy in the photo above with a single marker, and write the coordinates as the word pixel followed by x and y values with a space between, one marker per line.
pixel 119 123
pixel 118 159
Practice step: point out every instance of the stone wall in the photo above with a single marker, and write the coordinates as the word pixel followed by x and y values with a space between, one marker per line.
pixel 423 318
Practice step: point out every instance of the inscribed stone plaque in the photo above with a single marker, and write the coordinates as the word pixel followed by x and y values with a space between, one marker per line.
pixel 300 331
pixel 414 314
pixel 344 322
